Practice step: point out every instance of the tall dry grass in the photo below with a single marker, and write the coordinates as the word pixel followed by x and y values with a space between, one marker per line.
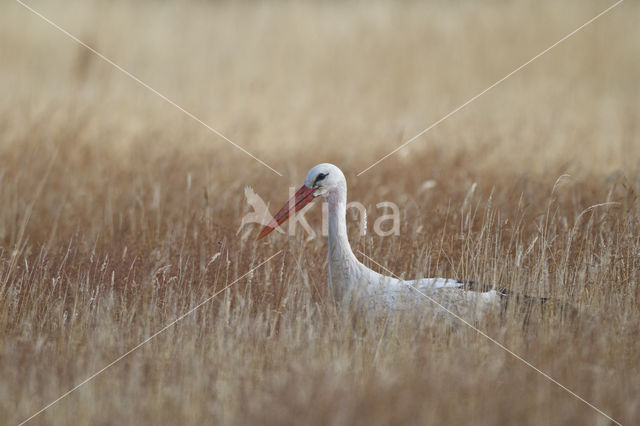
pixel 119 214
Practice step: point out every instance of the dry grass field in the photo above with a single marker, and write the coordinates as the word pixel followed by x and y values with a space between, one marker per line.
pixel 119 213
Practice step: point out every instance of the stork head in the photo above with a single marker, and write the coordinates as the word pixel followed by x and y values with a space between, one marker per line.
pixel 323 179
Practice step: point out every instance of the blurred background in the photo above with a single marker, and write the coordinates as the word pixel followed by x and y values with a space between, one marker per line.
pixel 348 79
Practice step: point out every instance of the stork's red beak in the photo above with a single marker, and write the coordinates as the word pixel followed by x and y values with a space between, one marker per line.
pixel 301 198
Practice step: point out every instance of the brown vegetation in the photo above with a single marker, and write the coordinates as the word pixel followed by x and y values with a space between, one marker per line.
pixel 118 213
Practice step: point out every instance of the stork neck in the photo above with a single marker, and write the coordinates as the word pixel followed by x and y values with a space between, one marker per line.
pixel 339 247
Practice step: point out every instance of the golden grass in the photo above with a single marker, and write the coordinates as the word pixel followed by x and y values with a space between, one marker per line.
pixel 118 213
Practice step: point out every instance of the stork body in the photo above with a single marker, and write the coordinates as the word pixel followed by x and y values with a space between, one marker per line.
pixel 351 281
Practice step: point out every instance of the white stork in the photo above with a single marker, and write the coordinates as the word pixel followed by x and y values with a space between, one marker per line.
pixel 350 280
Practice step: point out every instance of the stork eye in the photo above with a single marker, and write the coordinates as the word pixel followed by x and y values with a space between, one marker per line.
pixel 319 178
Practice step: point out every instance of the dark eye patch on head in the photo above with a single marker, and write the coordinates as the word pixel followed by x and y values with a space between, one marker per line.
pixel 319 178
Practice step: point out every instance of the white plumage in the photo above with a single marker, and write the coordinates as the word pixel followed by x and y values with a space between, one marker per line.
pixel 353 282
